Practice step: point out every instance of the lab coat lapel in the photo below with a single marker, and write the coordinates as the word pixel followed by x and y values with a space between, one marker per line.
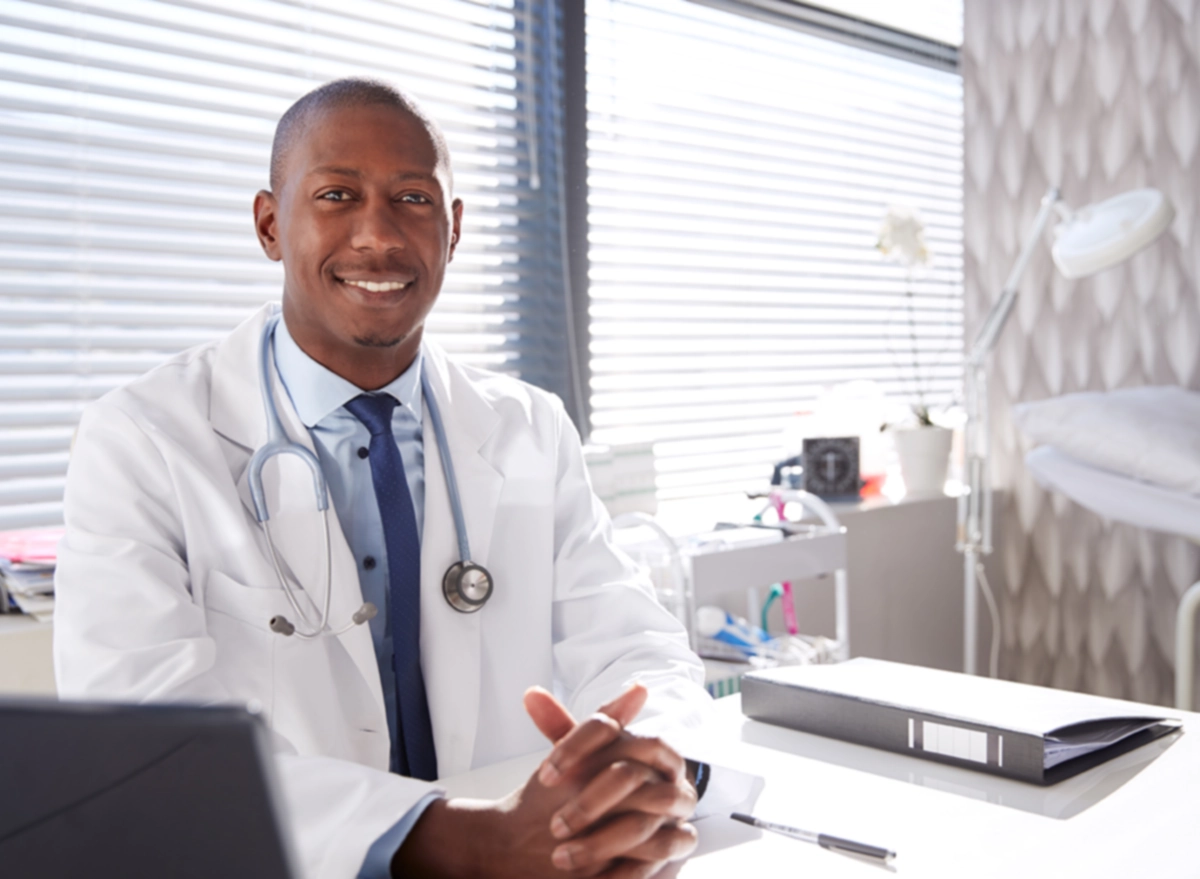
pixel 451 651
pixel 237 414
pixel 235 408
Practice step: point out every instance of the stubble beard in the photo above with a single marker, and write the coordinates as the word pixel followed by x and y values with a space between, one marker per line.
pixel 378 341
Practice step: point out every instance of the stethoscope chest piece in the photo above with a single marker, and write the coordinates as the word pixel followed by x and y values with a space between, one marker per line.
pixel 467 586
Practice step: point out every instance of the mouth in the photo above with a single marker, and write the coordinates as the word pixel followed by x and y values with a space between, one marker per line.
pixel 375 286
pixel 382 285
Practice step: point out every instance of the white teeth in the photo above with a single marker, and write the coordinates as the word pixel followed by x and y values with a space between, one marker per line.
pixel 378 286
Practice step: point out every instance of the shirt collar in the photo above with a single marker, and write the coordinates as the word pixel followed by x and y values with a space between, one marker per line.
pixel 317 392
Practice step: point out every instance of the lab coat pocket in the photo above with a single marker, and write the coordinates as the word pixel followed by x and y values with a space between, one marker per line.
pixel 252 605
pixel 238 617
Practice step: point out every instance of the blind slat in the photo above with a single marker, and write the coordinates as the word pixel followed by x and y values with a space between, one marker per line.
pixel 735 199
pixel 134 135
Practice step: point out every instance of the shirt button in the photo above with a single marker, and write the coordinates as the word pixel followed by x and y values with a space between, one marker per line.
pixel 369 563
pixel 362 452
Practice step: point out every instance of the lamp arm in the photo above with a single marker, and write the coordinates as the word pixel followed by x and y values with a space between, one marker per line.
pixel 974 539
pixel 993 324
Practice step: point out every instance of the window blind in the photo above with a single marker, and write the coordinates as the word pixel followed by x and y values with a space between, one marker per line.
pixel 133 136
pixel 738 174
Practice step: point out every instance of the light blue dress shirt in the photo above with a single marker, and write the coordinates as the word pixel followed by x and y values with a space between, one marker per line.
pixel 319 397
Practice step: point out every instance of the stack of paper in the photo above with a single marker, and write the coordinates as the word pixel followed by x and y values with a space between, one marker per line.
pixel 27 560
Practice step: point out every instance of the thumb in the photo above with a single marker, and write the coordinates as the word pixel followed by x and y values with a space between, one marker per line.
pixel 548 714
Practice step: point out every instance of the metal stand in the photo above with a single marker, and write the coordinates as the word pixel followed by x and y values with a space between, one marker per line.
pixel 1185 641
pixel 974 539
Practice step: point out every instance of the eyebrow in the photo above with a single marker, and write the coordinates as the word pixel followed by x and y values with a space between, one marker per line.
pixel 352 172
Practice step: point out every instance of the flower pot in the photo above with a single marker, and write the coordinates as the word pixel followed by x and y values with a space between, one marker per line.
pixel 924 458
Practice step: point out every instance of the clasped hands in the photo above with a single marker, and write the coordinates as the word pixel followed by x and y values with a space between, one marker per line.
pixel 603 803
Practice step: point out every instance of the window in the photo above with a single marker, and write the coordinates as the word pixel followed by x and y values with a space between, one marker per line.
pixel 134 134
pixel 739 172
pixel 939 20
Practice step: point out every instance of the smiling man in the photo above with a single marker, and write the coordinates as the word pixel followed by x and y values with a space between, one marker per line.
pixel 338 626
pixel 362 216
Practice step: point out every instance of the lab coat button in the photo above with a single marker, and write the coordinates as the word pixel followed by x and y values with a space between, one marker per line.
pixel 362 452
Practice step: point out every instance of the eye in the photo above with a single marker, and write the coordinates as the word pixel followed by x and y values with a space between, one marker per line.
pixel 415 198
pixel 334 195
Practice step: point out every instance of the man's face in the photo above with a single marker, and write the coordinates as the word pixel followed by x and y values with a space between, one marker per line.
pixel 364 225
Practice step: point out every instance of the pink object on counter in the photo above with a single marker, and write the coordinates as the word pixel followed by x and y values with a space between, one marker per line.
pixel 31 544
pixel 786 601
pixel 789 609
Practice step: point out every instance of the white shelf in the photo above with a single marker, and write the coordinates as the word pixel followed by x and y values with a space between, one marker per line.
pixel 801 557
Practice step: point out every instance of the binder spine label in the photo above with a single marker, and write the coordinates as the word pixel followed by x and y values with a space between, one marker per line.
pixel 953 741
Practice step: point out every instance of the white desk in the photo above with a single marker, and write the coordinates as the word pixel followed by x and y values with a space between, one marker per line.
pixel 1137 815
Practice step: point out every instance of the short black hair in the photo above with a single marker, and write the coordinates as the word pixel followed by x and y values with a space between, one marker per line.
pixel 349 92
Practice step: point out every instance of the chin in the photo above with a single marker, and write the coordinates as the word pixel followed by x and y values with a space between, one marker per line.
pixel 378 340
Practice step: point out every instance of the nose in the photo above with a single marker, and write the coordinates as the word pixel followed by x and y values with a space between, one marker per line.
pixel 378 227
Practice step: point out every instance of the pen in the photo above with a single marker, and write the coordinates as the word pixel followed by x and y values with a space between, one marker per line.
pixel 824 840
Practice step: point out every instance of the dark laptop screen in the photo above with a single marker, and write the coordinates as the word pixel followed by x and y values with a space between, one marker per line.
pixel 153 790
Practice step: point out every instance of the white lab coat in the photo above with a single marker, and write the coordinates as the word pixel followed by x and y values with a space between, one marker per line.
pixel 164 585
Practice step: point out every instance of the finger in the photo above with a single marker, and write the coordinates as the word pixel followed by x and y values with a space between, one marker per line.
pixel 671 842
pixel 652 751
pixel 549 715
pixel 627 706
pixel 583 741
pixel 609 841
pixel 633 870
pixel 611 786
pixel 670 870
pixel 587 738
pixel 596 870
pixel 673 801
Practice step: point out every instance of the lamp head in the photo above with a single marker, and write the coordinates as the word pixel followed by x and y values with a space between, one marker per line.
pixel 1104 234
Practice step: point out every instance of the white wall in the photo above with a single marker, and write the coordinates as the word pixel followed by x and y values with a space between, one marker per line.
pixel 1096 96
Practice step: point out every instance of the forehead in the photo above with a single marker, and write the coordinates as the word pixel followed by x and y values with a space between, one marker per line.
pixel 372 140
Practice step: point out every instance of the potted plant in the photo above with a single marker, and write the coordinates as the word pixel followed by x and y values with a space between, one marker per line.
pixel 922 446
pixel 924 452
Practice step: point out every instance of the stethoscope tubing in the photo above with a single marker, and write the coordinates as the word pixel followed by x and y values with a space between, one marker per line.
pixel 278 443
pixel 439 433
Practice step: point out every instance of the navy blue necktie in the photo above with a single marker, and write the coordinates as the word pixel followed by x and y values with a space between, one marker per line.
pixel 415 750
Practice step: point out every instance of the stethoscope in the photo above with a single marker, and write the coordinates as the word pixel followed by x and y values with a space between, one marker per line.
pixel 466 585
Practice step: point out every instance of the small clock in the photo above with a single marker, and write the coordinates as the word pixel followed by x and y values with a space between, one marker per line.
pixel 831 467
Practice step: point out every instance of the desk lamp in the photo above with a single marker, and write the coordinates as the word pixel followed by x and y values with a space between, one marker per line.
pixel 1086 241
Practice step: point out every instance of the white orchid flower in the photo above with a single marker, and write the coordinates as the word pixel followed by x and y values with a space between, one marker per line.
pixel 902 237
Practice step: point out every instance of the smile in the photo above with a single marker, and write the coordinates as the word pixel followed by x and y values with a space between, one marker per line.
pixel 377 286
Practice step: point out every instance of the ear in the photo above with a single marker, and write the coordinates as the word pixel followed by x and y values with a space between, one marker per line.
pixel 456 211
pixel 266 223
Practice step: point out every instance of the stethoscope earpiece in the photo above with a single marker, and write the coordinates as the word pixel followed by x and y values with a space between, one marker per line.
pixel 281 626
